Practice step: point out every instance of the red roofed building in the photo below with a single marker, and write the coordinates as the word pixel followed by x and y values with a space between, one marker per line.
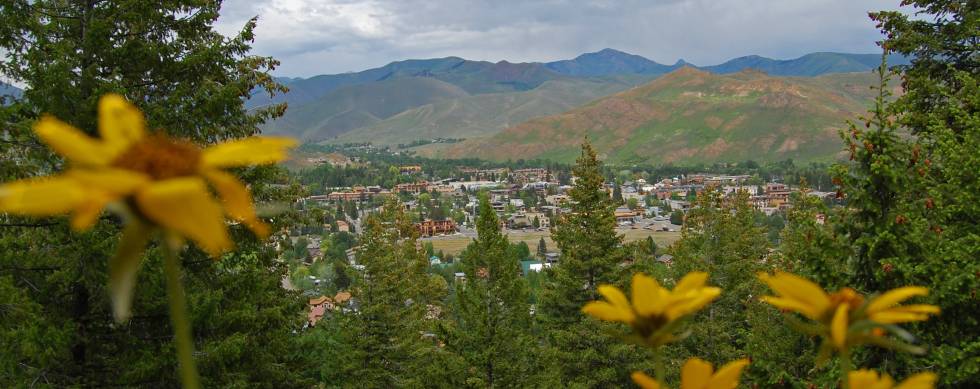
pixel 436 227
pixel 318 307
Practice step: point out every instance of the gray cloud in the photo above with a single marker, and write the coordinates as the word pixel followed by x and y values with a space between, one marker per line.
pixel 332 36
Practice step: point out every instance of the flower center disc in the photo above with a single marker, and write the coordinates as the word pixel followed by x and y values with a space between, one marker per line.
pixel 161 157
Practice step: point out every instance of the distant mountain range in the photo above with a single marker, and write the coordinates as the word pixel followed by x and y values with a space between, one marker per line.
pixel 453 97
pixel 482 115
pixel 692 116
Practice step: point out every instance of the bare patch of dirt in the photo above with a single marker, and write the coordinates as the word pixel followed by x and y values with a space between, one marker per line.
pixel 789 144
pixel 713 122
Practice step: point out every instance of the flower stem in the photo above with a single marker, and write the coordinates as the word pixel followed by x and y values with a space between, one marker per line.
pixel 179 317
pixel 658 367
pixel 845 368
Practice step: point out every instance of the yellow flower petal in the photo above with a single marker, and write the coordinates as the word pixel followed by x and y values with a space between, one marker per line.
pixel 925 380
pixel 727 376
pixel 42 196
pixel 838 326
pixel 895 296
pixel 695 374
pixel 792 305
pixel 72 143
pixel 915 308
pixel 237 200
pixel 797 288
pixel 247 152
pixel 120 123
pixel 694 303
pixel 185 206
pixel 87 213
pixel 604 311
pixel 644 381
pixel 110 180
pixel 691 281
pixel 869 379
pixel 648 296
pixel 614 296
pixel 894 317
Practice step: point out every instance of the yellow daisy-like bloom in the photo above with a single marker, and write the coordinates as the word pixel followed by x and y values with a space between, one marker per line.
pixel 157 180
pixel 165 179
pixel 699 374
pixel 869 379
pixel 839 310
pixel 653 306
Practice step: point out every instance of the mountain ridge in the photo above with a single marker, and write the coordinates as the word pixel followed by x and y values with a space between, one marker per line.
pixel 310 117
pixel 453 69
pixel 691 115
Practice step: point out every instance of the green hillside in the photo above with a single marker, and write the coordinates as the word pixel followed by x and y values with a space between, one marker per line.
pixel 692 116
pixel 350 107
pixel 486 114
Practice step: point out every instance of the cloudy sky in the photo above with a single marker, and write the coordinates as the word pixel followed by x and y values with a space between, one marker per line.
pixel 333 36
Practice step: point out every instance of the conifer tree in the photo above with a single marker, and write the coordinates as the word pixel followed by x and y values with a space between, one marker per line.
pixel 190 81
pixel 492 327
pixel 911 202
pixel 542 248
pixel 914 200
pixel 582 351
pixel 391 335
pixel 720 237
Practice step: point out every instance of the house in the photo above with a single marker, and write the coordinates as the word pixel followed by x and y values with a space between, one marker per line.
pixel 533 266
pixel 342 298
pixel 551 210
pixel 483 174
pixel 551 257
pixel 524 176
pixel 499 206
pixel 777 194
pixel 556 200
pixel 543 220
pixel 518 220
pixel 356 194
pixel 679 205
pixel 319 307
pixel 666 259
pixel 474 186
pixel 409 169
pixel 629 192
pixel 415 187
pixel 626 215
pixel 314 249
pixel 526 219
pixel 436 227
pixel 343 226
pixel 653 211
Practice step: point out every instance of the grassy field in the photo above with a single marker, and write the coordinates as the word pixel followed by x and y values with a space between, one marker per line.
pixel 456 243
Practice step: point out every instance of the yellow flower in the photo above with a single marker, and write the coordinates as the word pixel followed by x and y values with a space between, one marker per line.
pixel 699 374
pixel 653 307
pixel 869 379
pixel 151 179
pixel 840 310
pixel 165 179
